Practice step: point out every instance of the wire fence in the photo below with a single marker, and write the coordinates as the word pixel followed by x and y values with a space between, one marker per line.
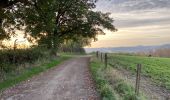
pixel 109 60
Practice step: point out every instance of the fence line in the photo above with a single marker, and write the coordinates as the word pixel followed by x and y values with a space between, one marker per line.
pixel 104 58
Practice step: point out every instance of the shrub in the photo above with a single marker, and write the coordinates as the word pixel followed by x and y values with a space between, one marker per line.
pixel 9 59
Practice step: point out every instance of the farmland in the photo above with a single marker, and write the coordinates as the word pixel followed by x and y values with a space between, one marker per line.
pixel 157 69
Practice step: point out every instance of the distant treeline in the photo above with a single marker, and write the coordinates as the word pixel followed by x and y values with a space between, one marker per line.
pixel 72 47
pixel 162 52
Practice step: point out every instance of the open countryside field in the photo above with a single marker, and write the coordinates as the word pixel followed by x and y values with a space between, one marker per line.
pixel 158 69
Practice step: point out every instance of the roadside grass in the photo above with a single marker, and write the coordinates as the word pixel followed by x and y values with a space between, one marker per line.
pixel 158 69
pixel 26 73
pixel 103 86
pixel 110 86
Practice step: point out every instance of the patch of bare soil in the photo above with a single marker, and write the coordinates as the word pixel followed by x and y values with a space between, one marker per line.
pixel 149 88
pixel 69 81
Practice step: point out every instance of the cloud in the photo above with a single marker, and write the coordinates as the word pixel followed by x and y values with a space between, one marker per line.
pixel 142 18
pixel 132 13
pixel 140 22
pixel 131 5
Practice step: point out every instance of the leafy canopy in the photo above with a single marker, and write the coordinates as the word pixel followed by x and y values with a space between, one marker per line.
pixel 53 21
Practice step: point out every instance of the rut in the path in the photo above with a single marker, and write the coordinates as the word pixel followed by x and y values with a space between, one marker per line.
pixel 69 81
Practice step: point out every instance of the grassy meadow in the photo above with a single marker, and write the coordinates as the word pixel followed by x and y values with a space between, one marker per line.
pixel 156 68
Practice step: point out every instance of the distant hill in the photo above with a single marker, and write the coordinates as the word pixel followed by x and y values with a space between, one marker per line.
pixel 127 49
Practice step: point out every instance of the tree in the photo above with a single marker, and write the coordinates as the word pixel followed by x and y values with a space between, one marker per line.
pixel 75 45
pixel 7 19
pixel 53 21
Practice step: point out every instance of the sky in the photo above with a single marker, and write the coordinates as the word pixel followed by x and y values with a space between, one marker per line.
pixel 139 22
pixel 20 40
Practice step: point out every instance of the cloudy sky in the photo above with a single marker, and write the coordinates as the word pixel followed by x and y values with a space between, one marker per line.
pixel 139 22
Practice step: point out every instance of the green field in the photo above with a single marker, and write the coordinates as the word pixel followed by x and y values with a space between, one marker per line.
pixel 158 69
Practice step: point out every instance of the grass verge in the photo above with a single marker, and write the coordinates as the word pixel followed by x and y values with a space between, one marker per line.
pixel 110 86
pixel 103 86
pixel 27 73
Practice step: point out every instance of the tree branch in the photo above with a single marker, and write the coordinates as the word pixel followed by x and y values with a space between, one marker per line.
pixel 7 3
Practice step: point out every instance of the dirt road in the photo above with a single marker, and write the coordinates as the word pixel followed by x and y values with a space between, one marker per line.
pixel 69 81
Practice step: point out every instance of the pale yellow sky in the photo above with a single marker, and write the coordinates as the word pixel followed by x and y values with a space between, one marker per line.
pixel 119 39
pixel 138 22
pixel 21 41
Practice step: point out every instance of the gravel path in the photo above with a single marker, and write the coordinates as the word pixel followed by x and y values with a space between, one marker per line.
pixel 69 81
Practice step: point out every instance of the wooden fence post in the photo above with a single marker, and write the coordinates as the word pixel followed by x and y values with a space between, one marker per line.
pixel 138 75
pixel 97 54
pixel 105 60
pixel 101 56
